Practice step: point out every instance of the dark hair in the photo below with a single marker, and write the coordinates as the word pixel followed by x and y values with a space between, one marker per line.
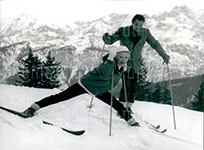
pixel 138 17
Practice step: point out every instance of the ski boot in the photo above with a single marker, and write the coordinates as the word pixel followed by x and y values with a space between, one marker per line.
pixel 132 122
pixel 30 112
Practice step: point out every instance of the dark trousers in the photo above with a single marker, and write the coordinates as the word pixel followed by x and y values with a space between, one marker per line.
pixel 131 85
pixel 76 90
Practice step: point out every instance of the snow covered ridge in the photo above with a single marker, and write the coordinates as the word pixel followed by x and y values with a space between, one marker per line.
pixel 180 32
pixel 18 133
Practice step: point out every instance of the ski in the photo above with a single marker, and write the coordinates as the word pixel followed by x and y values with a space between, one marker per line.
pixel 13 112
pixel 156 128
pixel 20 114
pixel 78 133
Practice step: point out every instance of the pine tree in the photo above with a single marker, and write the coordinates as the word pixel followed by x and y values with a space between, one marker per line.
pixel 199 103
pixel 161 94
pixel 50 72
pixel 165 97
pixel 34 73
pixel 143 92
pixel 156 96
pixel 30 72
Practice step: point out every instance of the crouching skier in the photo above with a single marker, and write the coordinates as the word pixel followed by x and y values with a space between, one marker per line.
pixel 96 82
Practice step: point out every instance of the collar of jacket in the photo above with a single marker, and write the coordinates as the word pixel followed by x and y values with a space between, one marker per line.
pixel 117 69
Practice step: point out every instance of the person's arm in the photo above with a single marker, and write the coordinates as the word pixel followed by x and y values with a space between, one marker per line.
pixel 107 66
pixel 110 39
pixel 157 46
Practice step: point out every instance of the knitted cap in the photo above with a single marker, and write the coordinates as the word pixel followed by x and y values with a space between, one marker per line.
pixel 121 49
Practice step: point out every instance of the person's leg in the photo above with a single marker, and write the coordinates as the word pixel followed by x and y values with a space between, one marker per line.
pixel 130 82
pixel 69 93
pixel 122 111
pixel 133 92
pixel 129 105
pixel 124 103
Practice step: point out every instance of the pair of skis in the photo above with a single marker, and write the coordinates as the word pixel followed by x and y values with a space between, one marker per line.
pixel 78 133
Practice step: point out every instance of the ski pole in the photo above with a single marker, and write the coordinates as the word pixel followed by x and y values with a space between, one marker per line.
pixel 102 52
pixel 111 106
pixel 91 103
pixel 125 91
pixel 171 95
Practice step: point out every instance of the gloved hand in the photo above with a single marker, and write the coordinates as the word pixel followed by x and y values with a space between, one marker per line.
pixel 107 38
pixel 166 58
pixel 112 54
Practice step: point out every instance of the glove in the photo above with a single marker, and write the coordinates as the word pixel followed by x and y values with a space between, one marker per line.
pixel 112 54
pixel 107 38
pixel 166 58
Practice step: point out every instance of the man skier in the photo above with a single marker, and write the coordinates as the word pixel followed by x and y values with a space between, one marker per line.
pixel 97 82
pixel 134 37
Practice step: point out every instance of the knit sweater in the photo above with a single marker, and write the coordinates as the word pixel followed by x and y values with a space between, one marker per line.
pixel 100 79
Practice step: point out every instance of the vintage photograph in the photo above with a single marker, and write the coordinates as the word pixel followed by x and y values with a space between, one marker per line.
pixel 101 75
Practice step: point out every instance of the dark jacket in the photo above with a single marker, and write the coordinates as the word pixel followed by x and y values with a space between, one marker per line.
pixel 126 36
pixel 100 79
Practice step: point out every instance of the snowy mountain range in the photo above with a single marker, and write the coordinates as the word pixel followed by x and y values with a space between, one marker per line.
pixel 78 45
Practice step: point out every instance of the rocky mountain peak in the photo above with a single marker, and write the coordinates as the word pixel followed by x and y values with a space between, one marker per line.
pixel 79 44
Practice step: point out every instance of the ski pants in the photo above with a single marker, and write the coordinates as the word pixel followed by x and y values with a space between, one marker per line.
pixel 76 90
pixel 131 85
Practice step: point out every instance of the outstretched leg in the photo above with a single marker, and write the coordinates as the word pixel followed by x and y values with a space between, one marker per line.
pixel 122 111
pixel 69 93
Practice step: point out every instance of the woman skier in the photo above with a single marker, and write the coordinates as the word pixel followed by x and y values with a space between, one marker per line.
pixel 96 82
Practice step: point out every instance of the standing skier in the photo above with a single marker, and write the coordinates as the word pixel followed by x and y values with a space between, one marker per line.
pixel 97 82
pixel 134 37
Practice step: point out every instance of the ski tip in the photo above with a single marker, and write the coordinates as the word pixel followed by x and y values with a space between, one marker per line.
pixel 81 132
pixel 164 131
pixel 48 123
pixel 158 126
pixel 74 132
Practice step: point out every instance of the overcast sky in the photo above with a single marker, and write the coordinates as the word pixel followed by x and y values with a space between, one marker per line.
pixel 63 11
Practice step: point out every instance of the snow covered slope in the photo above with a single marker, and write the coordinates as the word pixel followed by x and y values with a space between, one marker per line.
pixel 23 134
